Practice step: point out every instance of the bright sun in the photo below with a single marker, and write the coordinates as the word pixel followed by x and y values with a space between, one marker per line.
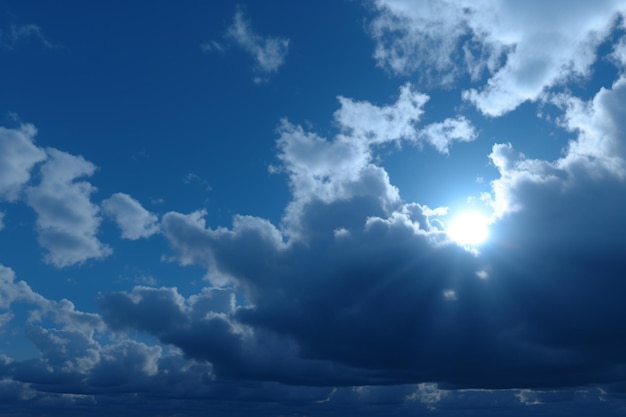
pixel 469 228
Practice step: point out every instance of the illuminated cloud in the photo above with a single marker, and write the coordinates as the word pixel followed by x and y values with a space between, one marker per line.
pixel 522 48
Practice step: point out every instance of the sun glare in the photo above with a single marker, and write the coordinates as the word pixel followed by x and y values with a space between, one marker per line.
pixel 469 228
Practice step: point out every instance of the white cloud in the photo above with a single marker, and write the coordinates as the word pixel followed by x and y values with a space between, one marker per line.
pixel 598 152
pixel 11 292
pixel 343 168
pixel 419 36
pixel 599 148
pixel 268 52
pixel 441 135
pixel 369 124
pixel 525 47
pixel 618 55
pixel 18 155
pixel 135 221
pixel 428 394
pixel 67 221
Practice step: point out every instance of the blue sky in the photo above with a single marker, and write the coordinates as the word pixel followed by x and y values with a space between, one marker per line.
pixel 257 208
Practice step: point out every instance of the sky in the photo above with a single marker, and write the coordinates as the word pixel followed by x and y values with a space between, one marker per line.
pixel 298 209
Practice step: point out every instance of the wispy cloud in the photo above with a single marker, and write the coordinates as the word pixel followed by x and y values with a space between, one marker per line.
pixel 268 52
pixel 15 34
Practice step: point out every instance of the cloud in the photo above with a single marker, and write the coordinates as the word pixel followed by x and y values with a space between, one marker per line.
pixel 61 312
pixel 523 48
pixel 357 299
pixel 67 221
pixel 342 168
pixel 597 153
pixel 18 156
pixel 369 289
pixel 268 53
pixel 441 135
pixel 135 221
pixel 16 34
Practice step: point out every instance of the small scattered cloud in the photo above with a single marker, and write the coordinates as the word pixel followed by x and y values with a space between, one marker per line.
pixel 268 52
pixel 134 221
pixel 192 178
pixel 212 46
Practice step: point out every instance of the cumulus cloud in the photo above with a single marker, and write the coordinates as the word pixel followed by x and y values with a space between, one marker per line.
pixel 371 291
pixel 523 48
pixel 357 297
pixel 18 156
pixel 343 168
pixel 268 53
pixel 135 221
pixel 61 312
pixel 67 221
pixel 348 298
pixel 596 154
pixel 441 135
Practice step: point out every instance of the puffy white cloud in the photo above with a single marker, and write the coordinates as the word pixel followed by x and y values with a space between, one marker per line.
pixel 525 47
pixel 597 153
pixel 441 135
pixel 67 221
pixel 18 155
pixel 326 170
pixel 600 147
pixel 369 124
pixel 135 221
